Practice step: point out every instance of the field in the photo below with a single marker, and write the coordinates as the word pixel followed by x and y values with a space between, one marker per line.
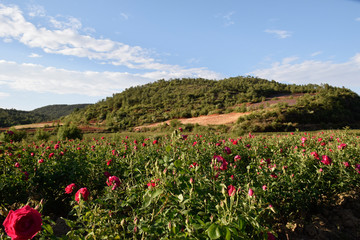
pixel 187 186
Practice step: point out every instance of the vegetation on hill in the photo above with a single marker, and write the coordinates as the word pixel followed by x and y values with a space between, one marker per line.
pixel 11 117
pixel 59 110
pixel 185 98
pixel 330 107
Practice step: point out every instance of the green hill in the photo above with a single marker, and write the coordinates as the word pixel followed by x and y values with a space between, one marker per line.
pixel 59 110
pixel 11 117
pixel 185 98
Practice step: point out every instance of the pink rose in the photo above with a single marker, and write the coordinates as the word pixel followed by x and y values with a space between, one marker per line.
pixel 231 190
pixel 251 192
pixel 23 223
pixel 84 193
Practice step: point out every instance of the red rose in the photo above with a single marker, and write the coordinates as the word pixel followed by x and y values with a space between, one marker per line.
pixel 84 193
pixel 23 224
pixel 113 181
pixel 326 160
pixel 70 188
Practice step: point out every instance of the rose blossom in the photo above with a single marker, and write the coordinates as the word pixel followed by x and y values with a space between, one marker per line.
pixel 231 190
pixel 113 181
pixel 70 188
pixel 23 223
pixel 326 160
pixel 84 193
pixel 251 192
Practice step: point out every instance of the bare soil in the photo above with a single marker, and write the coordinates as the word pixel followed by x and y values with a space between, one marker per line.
pixel 229 118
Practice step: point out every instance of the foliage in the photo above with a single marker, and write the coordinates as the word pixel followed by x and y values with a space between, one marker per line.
pixel 182 98
pixel 12 135
pixel 69 131
pixel 12 117
pixel 179 186
pixel 41 134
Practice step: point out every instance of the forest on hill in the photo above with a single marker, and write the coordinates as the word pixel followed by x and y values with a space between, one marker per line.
pixel 11 117
pixel 321 105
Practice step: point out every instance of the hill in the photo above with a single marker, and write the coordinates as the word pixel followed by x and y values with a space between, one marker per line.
pixel 59 110
pixel 319 106
pixel 12 117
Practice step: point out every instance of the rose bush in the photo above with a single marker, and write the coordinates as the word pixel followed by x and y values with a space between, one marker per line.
pixel 23 223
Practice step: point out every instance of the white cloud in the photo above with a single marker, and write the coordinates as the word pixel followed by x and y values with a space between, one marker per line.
pixel 37 78
pixel 317 72
pixel 125 16
pixel 279 33
pixel 228 19
pixel 36 11
pixel 67 22
pixel 289 60
pixel 34 55
pixel 357 19
pixel 316 53
pixel 66 40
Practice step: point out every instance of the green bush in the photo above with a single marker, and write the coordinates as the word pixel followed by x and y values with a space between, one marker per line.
pixel 69 132
pixel 13 135
pixel 41 134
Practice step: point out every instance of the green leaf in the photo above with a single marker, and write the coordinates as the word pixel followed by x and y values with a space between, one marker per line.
pixel 147 200
pixel 241 224
pixel 70 223
pixel 178 163
pixel 48 228
pixel 214 231
pixel 168 148
pixel 156 193
pixel 228 234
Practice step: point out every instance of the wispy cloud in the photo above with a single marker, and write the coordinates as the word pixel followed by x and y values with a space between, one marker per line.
pixel 61 22
pixel 34 55
pixel 67 40
pixel 357 19
pixel 228 19
pixel 279 33
pixel 316 72
pixel 314 54
pixel 124 15
pixel 36 11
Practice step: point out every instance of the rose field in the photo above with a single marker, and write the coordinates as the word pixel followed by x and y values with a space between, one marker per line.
pixel 301 185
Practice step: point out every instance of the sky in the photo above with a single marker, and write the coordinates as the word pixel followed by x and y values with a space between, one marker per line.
pixel 71 52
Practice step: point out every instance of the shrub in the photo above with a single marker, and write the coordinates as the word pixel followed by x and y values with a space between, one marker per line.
pixel 13 135
pixel 41 134
pixel 69 132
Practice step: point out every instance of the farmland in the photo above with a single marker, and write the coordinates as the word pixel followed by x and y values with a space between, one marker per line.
pixel 187 185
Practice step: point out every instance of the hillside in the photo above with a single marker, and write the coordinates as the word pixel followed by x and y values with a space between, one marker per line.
pixel 12 117
pixel 320 106
pixel 59 110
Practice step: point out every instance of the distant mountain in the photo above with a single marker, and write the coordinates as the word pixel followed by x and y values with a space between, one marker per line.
pixel 57 111
pixel 12 117
pixel 322 105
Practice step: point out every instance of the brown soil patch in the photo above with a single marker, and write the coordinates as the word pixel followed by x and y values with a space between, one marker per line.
pixel 213 119
pixel 339 220
pixel 229 118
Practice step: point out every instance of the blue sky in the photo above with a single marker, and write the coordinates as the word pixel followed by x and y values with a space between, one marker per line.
pixel 67 52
